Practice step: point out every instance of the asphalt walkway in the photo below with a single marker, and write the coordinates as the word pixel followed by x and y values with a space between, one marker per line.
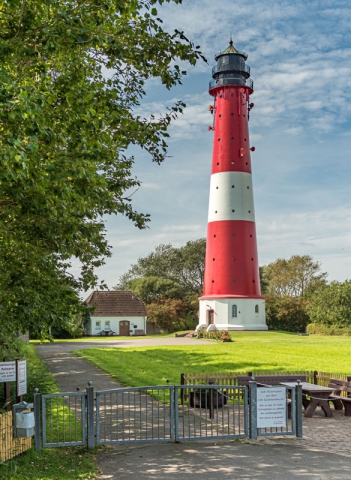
pixel 323 453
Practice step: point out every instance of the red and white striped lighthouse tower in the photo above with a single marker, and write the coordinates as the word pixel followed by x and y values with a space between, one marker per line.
pixel 231 297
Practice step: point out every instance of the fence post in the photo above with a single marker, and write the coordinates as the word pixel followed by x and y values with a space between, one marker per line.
pixel 182 382
pixel 315 379
pixel 298 403
pixel 253 409
pixel 90 415
pixel 37 433
pixel 173 394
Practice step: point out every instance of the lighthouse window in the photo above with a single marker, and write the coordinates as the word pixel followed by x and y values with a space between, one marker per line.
pixel 232 114
pixel 232 138
pixel 234 311
pixel 256 308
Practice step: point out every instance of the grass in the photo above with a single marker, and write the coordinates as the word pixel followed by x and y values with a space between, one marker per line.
pixel 103 339
pixel 250 351
pixel 50 463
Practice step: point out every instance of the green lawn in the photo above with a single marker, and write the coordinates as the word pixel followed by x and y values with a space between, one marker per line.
pixel 250 351
pixel 103 339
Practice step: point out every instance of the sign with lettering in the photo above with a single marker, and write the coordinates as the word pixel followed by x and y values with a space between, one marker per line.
pixel 271 407
pixel 21 377
pixel 7 372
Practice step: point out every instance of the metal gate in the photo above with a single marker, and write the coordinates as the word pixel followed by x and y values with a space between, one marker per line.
pixel 146 414
pixel 64 419
pixel 156 414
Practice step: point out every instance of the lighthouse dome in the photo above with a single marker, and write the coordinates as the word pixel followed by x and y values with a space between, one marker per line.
pixel 231 68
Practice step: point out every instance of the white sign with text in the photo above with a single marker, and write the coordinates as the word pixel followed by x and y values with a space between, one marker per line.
pixel 21 377
pixel 271 407
pixel 7 372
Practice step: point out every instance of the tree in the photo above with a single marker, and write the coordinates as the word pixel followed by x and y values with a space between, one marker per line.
pixel 286 313
pixel 150 289
pixel 331 306
pixel 184 265
pixel 72 76
pixel 299 276
pixel 171 314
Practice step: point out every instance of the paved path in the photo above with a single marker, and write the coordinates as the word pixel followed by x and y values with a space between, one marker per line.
pixel 323 453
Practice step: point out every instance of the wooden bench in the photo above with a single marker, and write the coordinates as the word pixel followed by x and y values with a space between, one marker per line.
pixel 338 400
pixel 272 380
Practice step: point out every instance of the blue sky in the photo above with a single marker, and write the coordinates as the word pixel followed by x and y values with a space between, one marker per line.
pixel 300 58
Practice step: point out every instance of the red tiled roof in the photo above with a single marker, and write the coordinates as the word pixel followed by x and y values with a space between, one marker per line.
pixel 116 303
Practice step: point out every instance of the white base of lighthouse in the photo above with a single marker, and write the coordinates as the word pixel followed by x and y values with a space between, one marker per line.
pixel 232 314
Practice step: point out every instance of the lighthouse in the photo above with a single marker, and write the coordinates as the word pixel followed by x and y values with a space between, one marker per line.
pixel 231 297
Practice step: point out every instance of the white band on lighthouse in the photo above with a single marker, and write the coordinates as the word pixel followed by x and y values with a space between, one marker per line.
pixel 231 197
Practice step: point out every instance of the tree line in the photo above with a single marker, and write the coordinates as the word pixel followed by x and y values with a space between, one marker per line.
pixel 297 294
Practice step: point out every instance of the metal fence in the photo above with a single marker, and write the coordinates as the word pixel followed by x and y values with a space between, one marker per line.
pixel 158 414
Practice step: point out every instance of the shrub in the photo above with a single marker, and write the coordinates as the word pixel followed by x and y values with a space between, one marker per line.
pixel 320 329
pixel 218 335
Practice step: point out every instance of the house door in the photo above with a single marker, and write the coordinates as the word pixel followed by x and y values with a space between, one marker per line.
pixel 210 317
pixel 124 327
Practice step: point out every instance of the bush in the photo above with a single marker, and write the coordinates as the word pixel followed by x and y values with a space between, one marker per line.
pixel 319 329
pixel 218 335
pixel 286 313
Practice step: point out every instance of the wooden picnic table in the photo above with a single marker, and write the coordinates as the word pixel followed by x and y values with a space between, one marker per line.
pixel 319 397
pixel 107 332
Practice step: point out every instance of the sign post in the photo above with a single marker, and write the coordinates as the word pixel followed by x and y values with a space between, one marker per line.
pixel 7 375
pixel 13 371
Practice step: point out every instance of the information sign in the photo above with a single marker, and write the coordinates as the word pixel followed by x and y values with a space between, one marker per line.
pixel 271 407
pixel 7 371
pixel 21 377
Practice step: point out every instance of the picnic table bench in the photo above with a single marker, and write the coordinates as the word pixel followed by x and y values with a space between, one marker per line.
pixel 106 332
pixel 272 380
pixel 336 397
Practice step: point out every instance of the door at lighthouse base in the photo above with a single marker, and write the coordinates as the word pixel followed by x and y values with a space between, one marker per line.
pixel 210 317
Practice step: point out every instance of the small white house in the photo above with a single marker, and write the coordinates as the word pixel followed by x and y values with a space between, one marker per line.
pixel 116 313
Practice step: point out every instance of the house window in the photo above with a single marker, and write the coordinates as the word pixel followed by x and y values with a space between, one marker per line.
pixel 234 311
pixel 98 325
pixel 256 308
pixel 107 324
